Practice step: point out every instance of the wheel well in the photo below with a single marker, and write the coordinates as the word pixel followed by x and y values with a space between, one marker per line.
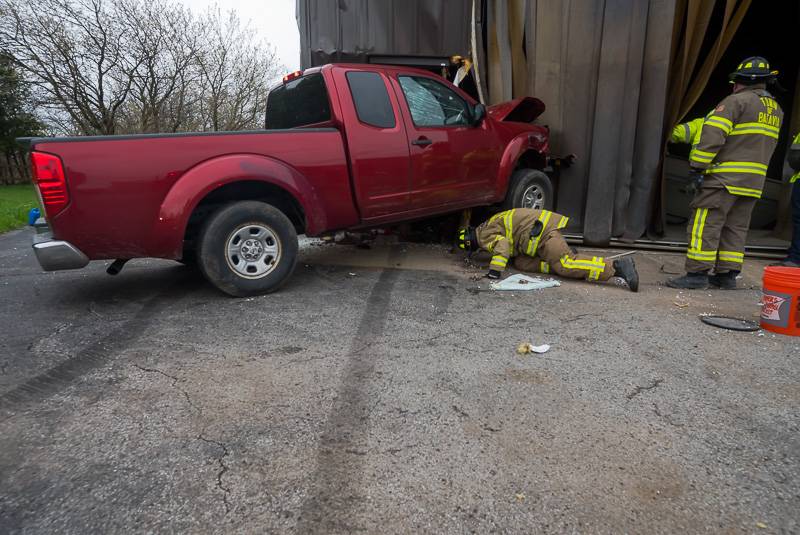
pixel 246 190
pixel 532 159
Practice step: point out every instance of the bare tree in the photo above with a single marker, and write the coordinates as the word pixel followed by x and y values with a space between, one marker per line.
pixel 74 52
pixel 165 38
pixel 235 69
pixel 128 66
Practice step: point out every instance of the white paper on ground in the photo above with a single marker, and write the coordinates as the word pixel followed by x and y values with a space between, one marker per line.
pixel 524 282
pixel 540 349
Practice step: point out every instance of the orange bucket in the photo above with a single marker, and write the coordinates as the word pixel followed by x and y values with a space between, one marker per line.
pixel 780 302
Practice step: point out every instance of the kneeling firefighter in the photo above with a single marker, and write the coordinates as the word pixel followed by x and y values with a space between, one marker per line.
pixel 533 239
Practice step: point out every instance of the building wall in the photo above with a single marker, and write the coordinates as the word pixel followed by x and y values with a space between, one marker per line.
pixel 601 68
pixel 352 30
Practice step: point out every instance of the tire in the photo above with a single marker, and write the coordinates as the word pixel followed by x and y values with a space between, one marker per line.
pixel 529 188
pixel 247 248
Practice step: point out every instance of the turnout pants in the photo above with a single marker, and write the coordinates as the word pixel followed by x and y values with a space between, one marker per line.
pixel 717 230
pixel 554 256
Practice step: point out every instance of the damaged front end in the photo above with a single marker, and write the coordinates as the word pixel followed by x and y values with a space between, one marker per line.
pixel 519 110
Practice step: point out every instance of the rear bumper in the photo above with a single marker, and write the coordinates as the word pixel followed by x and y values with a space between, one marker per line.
pixel 55 255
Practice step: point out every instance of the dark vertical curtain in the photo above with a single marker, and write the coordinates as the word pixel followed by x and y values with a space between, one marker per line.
pixel 611 94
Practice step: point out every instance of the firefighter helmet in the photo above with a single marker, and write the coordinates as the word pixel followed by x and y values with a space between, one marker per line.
pixel 754 70
pixel 468 239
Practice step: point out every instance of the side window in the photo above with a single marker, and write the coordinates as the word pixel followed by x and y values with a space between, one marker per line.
pixel 433 104
pixel 301 102
pixel 371 99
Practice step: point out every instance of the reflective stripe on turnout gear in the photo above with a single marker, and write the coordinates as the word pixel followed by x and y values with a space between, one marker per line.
pixel 595 266
pixel 742 129
pixel 499 261
pixel 700 216
pixel 731 256
pixel 695 251
pixel 544 267
pixel 533 243
pixel 736 168
pixel 744 192
pixel 752 168
pixel 490 246
pixel 508 222
pixel 701 156
pixel 687 133
pixel 720 122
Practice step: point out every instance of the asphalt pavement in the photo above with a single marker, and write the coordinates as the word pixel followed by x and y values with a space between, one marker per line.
pixel 380 391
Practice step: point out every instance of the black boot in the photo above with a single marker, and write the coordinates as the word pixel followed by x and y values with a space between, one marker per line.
pixel 690 281
pixel 724 281
pixel 625 268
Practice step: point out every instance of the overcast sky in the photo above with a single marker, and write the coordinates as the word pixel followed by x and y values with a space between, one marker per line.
pixel 272 19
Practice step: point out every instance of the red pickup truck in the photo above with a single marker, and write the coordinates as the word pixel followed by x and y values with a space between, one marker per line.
pixel 345 146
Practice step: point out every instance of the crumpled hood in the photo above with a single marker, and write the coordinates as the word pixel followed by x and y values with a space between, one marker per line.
pixel 519 110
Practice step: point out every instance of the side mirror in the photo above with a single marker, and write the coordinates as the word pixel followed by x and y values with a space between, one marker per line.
pixel 478 114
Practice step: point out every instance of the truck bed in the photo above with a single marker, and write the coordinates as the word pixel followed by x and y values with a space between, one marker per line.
pixel 118 184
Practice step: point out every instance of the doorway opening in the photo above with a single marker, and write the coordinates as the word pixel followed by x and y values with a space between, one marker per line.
pixel 766 30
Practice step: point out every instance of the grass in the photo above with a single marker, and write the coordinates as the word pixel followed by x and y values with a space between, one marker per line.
pixel 15 201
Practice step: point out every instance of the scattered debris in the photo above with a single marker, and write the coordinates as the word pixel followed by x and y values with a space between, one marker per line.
pixel 680 305
pixel 460 412
pixel 761 525
pixel 352 274
pixel 620 255
pixel 671 270
pixel 640 389
pixel 527 347
pixel 730 323
pixel 524 282
pixel 520 496
pixel 576 318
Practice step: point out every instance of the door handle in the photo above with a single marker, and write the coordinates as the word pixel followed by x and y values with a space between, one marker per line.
pixel 421 142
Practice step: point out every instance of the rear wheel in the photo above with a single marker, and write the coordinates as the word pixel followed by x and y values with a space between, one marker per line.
pixel 529 188
pixel 247 248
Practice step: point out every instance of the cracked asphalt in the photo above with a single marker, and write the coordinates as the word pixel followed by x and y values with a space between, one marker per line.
pixel 380 392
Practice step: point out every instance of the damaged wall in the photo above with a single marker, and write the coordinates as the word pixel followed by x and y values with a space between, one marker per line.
pixel 601 68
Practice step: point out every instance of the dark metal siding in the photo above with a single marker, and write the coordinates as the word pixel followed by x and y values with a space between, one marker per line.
pixel 353 30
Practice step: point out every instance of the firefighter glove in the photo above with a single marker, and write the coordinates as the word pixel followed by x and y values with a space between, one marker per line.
pixel 695 180
pixel 493 274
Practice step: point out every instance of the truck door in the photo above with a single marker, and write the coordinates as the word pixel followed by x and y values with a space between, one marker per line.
pixel 451 161
pixel 377 143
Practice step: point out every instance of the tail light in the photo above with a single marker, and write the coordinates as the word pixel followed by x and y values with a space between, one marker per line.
pixel 48 175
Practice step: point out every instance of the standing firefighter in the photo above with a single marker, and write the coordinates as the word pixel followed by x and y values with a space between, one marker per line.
pixel 728 168
pixel 533 239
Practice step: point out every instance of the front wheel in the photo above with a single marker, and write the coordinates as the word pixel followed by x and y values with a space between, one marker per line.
pixel 247 248
pixel 529 188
